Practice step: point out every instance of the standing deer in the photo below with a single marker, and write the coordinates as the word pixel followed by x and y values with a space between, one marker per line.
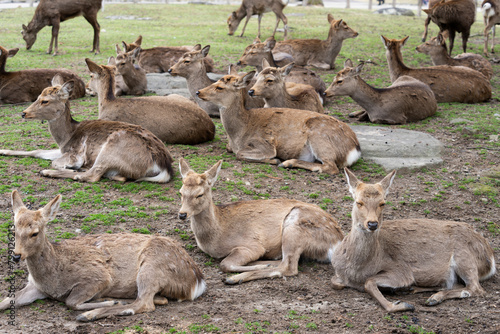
pixel 53 12
pixel 133 76
pixel 257 7
pixel 449 83
pixel 315 52
pixel 406 100
pixel 302 138
pixel 428 19
pixel 431 255
pixel 491 15
pixel 436 49
pixel 26 85
pixel 79 271
pixel 246 231
pixel 116 150
pixel 173 119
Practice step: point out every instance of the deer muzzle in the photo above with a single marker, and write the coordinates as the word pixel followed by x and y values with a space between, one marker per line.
pixel 16 257
pixel 182 215
pixel 251 92
pixel 372 225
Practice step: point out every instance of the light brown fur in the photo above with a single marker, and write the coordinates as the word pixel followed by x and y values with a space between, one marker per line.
pixel 491 16
pixel 134 77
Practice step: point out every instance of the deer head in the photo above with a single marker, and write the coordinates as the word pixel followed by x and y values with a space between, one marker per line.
pixel 256 52
pixel 270 81
pixel 344 82
pixel 29 36
pixel 223 92
pixel 190 62
pixel 340 29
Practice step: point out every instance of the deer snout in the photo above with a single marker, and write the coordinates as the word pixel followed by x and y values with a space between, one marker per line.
pixel 16 257
pixel 251 92
pixel 170 70
pixel 197 93
pixel 23 114
pixel 372 225
pixel 182 215
pixel 238 63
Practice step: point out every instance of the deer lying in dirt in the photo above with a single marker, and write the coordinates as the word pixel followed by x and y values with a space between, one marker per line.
pixel 406 100
pixel 449 83
pixel 79 271
pixel 491 15
pixel 302 138
pixel 159 59
pixel 53 12
pixel 26 85
pixel 133 76
pixel 246 231
pixel 315 52
pixel 431 255
pixel 454 16
pixel 257 7
pixel 436 49
pixel 174 119
pixel 271 86
pixel 116 150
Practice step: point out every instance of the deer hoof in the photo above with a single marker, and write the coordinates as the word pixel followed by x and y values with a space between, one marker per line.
pixel 84 317
pixel 400 306
pixel 432 302
pixel 231 281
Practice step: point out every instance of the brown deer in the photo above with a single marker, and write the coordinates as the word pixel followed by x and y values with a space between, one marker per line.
pixel 406 100
pixel 53 12
pixel 491 15
pixel 454 16
pixel 26 85
pixel 430 255
pixel 271 86
pixel 257 7
pixel 428 19
pixel 315 52
pixel 436 49
pixel 115 150
pixel 256 52
pixel 82 270
pixel 159 59
pixel 301 138
pixel 449 83
pixel 173 119
pixel 133 76
pixel 246 231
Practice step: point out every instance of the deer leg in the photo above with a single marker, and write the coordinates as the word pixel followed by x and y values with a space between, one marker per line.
pixel 259 18
pixel 357 113
pixel 452 40
pixel 81 293
pixel 371 286
pixel 325 167
pixel 320 65
pixel 92 19
pixel 493 40
pixel 465 37
pixel 426 28
pixel 55 34
pixel 258 151
pixel 24 297
pixel 486 34
pixel 42 154
pixel 245 25
pixel 240 256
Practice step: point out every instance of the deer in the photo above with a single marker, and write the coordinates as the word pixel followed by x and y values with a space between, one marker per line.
pixel 257 7
pixel 406 100
pixel 26 85
pixel 81 271
pixel 271 86
pixel 454 16
pixel 242 232
pixel 133 76
pixel 428 19
pixel 159 59
pixel 491 16
pixel 436 49
pixel 173 118
pixel 98 148
pixel 53 12
pixel 318 53
pixel 419 254
pixel 256 52
pixel 449 83
pixel 289 138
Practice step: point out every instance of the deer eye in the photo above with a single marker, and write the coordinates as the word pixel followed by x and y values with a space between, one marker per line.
pixel 340 81
pixel 186 62
pixel 34 235
pixel 218 88
pixel 382 205
pixel 269 81
pixel 45 102
pixel 199 196
pixel 359 204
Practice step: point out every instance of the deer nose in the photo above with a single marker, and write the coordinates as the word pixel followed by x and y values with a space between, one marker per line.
pixel 169 70
pixel 238 63
pixel 23 114
pixel 372 226
pixel 197 93
pixel 182 215
pixel 16 257
pixel 251 92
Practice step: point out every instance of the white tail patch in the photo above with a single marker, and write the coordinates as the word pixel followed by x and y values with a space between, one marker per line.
pixel 452 278
pixel 198 289
pixel 352 157
pixel 162 177
pixel 493 270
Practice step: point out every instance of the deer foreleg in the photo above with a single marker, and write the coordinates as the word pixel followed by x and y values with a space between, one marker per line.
pixel 325 167
pixel 239 256
pixel 259 151
pixel 259 18
pixel 55 34
pixel 92 19
pixel 426 28
pixel 24 297
pixel 452 40
pixel 493 40
pixel 465 37
pixel 245 25
pixel 371 286
pixel 42 154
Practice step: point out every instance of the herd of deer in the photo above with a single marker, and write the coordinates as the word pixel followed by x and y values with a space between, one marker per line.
pixel 276 117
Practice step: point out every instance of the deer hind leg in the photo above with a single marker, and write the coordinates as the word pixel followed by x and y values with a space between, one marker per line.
pixel 53 40
pixel 386 280
pixel 426 28
pixel 465 37
pixel 493 40
pixel 452 40
pixel 92 19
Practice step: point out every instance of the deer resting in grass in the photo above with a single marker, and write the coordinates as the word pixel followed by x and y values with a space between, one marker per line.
pixel 449 83
pixel 436 49
pixel 173 119
pixel 53 12
pixel 257 7
pixel 290 138
pixel 491 15
pixel 115 150
pixel 82 270
pixel 430 255
pixel 133 75
pixel 246 231
pixel 26 85
pixel 406 100
pixel 315 52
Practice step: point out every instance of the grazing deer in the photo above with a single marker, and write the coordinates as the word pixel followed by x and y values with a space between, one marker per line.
pixel 454 16
pixel 160 59
pixel 133 76
pixel 491 15
pixel 315 52
pixel 174 119
pixel 449 83
pixel 436 49
pixel 406 100
pixel 53 12
pixel 271 86
pixel 302 138
pixel 82 270
pixel 245 231
pixel 26 85
pixel 257 7
pixel 431 255
pixel 116 150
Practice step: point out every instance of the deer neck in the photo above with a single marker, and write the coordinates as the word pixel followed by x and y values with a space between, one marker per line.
pixel 280 99
pixel 38 22
pixel 395 62
pixel 206 226
pixel 241 13
pixel 441 58
pixel 333 43
pixel 364 94
pixel 63 128
pixel 198 79
pixel 131 77
pixel 3 61
pixel 364 248
pixel 106 91
pixel 42 265
pixel 234 117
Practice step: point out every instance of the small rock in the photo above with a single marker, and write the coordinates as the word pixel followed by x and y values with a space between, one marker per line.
pixel 395 11
pixel 459 121
pixel 494 137
pixel 468 130
pixel 484 200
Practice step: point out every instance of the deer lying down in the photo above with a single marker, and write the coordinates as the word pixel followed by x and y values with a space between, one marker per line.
pixel 116 150
pixel 406 100
pixel 243 232
pixel 431 255
pixel 79 271
pixel 133 76
pixel 301 138
pixel 26 85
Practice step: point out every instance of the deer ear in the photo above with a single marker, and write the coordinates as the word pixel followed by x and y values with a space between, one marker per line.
pixel 440 39
pixel 93 67
pixel 112 61
pixel 57 80
pixel 205 50
pixel 256 40
pixel 385 40
pixel 403 41
pixel 348 63
pixel 358 69
pixel 234 16
pixel 118 50
pixel 427 11
pixel 330 18
pixel 184 168
pixel 197 47
pixel 387 181
pixel 352 181
pixel 138 41
pixel 136 52
pixel 338 23
pixel 17 202
pixel 213 173
pixel 25 28
pixel 50 210
pixel 13 52
pixel 232 70
pixel 286 70
pixel 66 89
pixel 270 43
pixel 248 77
pixel 265 63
